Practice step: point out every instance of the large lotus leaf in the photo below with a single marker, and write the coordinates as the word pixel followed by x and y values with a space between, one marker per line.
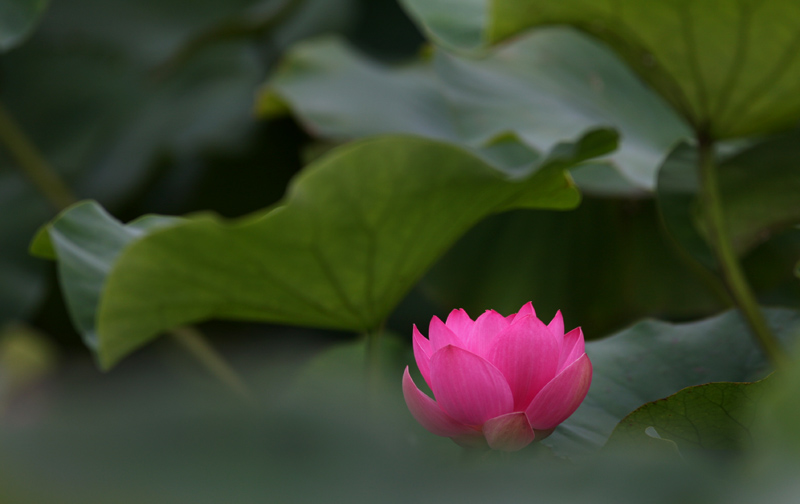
pixel 17 20
pixel 605 265
pixel 652 360
pixel 543 88
pixel 715 417
pixel 356 230
pixel 730 67
pixel 341 95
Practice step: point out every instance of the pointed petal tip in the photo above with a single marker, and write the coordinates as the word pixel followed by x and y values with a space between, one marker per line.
pixel 428 413
pixel 527 309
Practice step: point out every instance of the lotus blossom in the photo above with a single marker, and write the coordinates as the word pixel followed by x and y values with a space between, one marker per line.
pixel 505 380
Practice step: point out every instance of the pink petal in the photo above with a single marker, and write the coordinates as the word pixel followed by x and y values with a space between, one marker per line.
pixel 572 348
pixel 527 309
pixel 556 325
pixel 527 353
pixel 440 336
pixel 467 387
pixel 510 432
pixel 460 323
pixel 486 328
pixel 562 396
pixel 422 354
pixel 429 414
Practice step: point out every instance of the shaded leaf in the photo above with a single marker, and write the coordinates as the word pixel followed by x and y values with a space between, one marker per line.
pixel 551 85
pixel 759 185
pixel 605 265
pixel 17 19
pixel 652 360
pixel 730 68
pixel 85 91
pixel 356 230
pixel 713 417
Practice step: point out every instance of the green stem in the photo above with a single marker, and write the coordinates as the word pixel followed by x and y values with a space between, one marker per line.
pixel 197 345
pixel 721 244
pixel 60 196
pixel 33 164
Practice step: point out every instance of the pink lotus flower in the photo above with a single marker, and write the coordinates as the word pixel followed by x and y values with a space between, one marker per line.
pixel 508 380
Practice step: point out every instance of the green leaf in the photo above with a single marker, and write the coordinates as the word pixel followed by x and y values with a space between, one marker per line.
pixel 652 360
pixel 356 230
pixel 110 119
pixel 609 246
pixel 543 88
pixel 713 417
pixel 759 186
pixel 17 19
pixel 86 240
pixel 730 68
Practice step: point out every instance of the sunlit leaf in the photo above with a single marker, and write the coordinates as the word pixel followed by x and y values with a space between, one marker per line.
pixel 355 232
pixel 730 68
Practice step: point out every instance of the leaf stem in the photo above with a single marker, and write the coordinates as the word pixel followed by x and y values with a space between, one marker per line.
pixel 197 345
pixel 720 241
pixel 33 164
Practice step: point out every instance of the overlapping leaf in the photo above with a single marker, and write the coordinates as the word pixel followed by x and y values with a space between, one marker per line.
pixel 17 19
pixel 730 67
pixel 91 92
pixel 355 232
pixel 653 360
pixel 715 417
pixel 543 88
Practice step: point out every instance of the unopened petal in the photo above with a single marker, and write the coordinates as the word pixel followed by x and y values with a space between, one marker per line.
pixel 460 323
pixel 422 354
pixel 487 327
pixel 556 325
pixel 572 348
pixel 467 387
pixel 429 414
pixel 561 397
pixel 510 432
pixel 527 354
pixel 440 336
